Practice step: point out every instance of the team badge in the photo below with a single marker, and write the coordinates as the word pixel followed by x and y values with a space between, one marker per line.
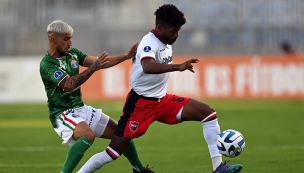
pixel 58 74
pixel 147 49
pixel 75 116
pixel 74 63
pixel 133 126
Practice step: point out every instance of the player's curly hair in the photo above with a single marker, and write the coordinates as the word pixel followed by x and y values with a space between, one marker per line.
pixel 169 14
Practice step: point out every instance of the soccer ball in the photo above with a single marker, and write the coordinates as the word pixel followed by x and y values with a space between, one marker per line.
pixel 231 143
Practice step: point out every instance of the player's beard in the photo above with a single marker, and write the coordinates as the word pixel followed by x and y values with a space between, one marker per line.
pixel 61 51
pixel 167 40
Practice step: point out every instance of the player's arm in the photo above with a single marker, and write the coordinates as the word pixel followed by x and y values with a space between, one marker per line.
pixel 151 67
pixel 70 83
pixel 114 60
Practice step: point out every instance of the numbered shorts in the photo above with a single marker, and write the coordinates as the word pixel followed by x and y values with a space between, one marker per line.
pixel 139 112
pixel 68 120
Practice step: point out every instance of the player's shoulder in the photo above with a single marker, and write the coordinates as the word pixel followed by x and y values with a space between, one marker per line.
pixel 76 54
pixel 47 62
pixel 46 59
pixel 149 40
pixel 74 50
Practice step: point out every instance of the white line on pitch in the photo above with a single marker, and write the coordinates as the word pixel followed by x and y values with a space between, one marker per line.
pixel 30 165
pixel 37 149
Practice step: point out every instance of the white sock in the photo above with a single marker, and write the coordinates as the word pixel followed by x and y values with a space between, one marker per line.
pixel 98 160
pixel 216 161
pixel 211 132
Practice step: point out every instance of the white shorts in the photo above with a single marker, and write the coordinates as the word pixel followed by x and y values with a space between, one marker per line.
pixel 68 120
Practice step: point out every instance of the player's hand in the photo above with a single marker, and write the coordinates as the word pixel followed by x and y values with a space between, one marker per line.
pixel 132 51
pixel 187 65
pixel 100 61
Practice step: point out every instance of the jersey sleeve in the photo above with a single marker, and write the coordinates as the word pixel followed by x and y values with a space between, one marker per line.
pixel 147 49
pixel 52 73
pixel 81 56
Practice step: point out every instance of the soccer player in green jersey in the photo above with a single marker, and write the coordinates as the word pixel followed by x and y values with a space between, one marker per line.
pixel 76 123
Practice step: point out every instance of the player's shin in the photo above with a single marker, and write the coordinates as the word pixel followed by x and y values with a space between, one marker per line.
pixel 75 154
pixel 98 160
pixel 211 132
pixel 132 155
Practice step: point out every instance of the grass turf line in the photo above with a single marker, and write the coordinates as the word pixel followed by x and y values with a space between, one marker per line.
pixel 273 132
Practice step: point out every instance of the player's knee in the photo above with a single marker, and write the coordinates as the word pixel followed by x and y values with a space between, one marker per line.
pixel 212 109
pixel 206 112
pixel 209 110
pixel 89 134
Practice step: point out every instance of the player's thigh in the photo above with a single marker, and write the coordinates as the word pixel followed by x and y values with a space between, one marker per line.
pixel 109 129
pixel 66 125
pixel 196 111
pixel 95 120
pixel 170 107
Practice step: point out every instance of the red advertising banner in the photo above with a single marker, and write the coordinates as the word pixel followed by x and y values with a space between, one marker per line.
pixel 231 77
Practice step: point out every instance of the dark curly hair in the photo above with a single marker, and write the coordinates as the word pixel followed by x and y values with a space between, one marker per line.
pixel 169 14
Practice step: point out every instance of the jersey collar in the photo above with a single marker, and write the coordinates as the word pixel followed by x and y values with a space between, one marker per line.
pixel 47 53
pixel 153 31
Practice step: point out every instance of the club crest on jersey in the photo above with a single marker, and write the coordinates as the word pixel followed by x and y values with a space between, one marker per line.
pixel 58 74
pixel 74 63
pixel 133 126
pixel 147 49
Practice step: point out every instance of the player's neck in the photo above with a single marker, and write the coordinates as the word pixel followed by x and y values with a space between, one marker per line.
pixel 158 35
pixel 54 53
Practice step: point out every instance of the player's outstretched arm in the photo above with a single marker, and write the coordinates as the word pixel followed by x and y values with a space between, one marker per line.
pixel 152 67
pixel 70 83
pixel 114 60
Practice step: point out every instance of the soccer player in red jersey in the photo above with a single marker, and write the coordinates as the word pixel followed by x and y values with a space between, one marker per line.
pixel 148 101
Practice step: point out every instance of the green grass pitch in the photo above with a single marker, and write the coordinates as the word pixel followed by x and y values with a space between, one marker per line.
pixel 273 131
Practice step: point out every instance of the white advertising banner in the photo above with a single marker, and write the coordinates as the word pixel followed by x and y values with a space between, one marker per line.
pixel 231 78
pixel 20 80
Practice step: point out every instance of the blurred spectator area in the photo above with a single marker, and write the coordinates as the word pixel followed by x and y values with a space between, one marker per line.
pixel 213 26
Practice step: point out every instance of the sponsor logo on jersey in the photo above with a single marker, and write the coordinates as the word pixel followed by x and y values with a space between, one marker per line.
pixel 58 74
pixel 133 126
pixel 167 60
pixel 147 49
pixel 74 63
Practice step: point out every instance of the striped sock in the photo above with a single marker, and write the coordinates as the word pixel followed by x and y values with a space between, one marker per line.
pixel 211 131
pixel 98 160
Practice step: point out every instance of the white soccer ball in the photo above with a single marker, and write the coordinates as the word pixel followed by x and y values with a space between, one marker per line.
pixel 231 143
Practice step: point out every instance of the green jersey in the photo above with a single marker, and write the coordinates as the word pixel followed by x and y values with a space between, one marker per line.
pixel 53 71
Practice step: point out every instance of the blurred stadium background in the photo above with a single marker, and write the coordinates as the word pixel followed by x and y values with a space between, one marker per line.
pixel 213 26
pixel 237 42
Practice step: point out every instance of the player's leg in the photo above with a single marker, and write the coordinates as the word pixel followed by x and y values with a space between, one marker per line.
pixel 106 129
pixel 198 111
pixel 117 146
pixel 75 132
pixel 134 123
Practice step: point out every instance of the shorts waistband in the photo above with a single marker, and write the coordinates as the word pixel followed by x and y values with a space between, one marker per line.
pixel 143 97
